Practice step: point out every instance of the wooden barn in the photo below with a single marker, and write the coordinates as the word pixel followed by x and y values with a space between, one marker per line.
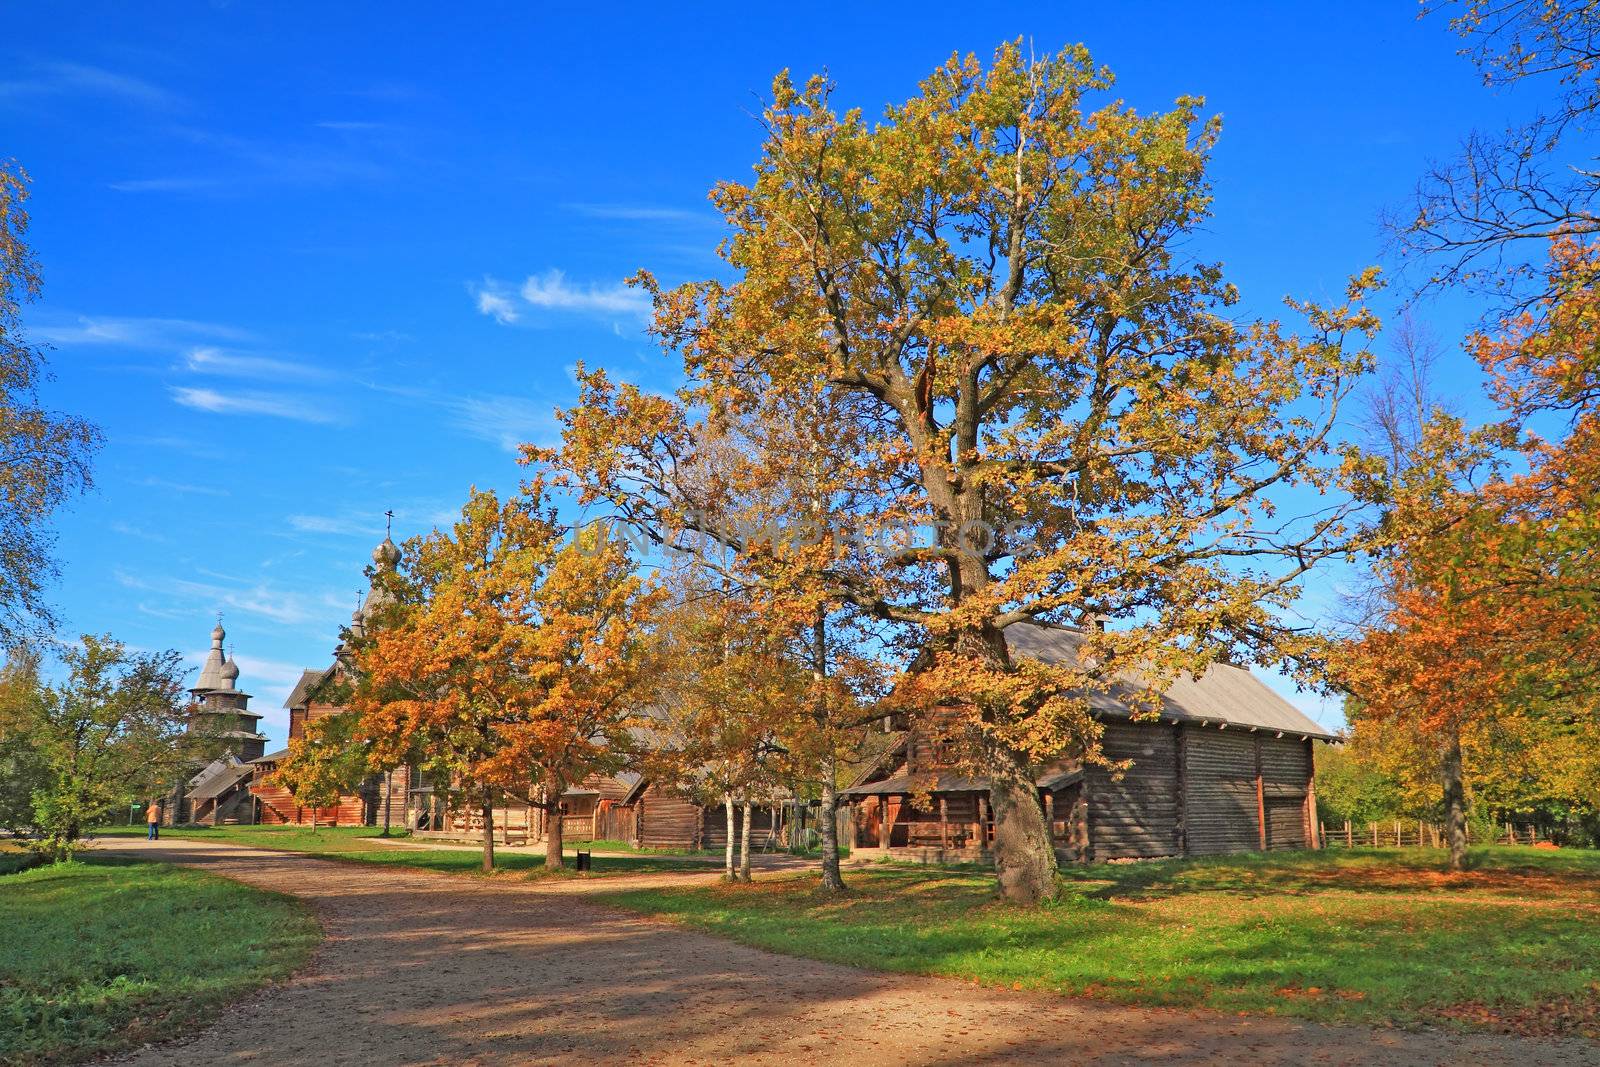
pixel 1226 768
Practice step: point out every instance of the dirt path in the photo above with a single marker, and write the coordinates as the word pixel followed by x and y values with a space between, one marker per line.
pixel 422 968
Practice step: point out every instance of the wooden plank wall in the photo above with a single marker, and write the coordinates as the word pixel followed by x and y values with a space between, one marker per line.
pixel 279 806
pixel 617 822
pixel 1135 816
pixel 1220 791
pixel 1285 772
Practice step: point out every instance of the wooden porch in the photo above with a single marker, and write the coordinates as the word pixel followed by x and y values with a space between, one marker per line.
pixel 954 824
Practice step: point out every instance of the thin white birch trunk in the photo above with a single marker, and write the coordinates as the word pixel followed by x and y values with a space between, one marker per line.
pixel 744 846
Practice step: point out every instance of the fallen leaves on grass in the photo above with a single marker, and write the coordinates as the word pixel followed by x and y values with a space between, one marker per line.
pixel 1572 1016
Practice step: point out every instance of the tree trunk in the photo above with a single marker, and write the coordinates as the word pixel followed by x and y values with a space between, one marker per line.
pixel 313 818
pixel 744 847
pixel 488 830
pixel 388 794
pixel 832 880
pixel 553 843
pixel 727 851
pixel 1455 802
pixel 1024 861
pixel 1024 855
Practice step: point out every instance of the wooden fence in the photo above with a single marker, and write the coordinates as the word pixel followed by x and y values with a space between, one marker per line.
pixel 616 824
pixel 1407 833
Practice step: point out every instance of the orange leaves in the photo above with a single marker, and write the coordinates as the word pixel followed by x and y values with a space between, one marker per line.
pixel 516 658
pixel 1549 357
pixel 324 761
pixel 1491 631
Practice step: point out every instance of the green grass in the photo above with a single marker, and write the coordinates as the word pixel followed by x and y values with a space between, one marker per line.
pixel 362 844
pixel 1363 936
pixel 101 955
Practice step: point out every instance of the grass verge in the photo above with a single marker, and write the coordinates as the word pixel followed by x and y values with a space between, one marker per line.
pixel 102 955
pixel 363 844
pixel 1366 936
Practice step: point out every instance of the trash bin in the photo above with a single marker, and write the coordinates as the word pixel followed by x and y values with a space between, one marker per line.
pixel 583 860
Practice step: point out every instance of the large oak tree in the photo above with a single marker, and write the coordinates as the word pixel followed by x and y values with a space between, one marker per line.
pixel 1052 410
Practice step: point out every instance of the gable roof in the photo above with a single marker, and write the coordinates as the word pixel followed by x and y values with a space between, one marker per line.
pixel 219 783
pixel 300 695
pixel 1224 695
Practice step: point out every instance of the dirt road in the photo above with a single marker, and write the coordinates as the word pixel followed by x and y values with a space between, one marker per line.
pixel 422 968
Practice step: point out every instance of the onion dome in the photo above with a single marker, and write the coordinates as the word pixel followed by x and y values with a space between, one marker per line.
pixel 211 671
pixel 386 555
pixel 230 674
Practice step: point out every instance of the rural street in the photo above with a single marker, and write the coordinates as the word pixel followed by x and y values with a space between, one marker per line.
pixel 423 968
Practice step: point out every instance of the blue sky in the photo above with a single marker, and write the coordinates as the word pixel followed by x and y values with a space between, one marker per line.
pixel 307 263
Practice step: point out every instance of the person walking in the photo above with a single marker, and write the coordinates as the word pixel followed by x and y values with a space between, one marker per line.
pixel 152 815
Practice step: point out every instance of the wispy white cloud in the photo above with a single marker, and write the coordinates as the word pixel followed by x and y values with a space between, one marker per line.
pixel 182 487
pixel 640 212
pixel 135 332
pixel 552 290
pixel 367 524
pixel 508 421
pixel 243 164
pixel 128 529
pixel 178 183
pixel 209 360
pixel 275 405
pixel 384 336
pixel 503 419
pixel 352 126
pixel 259 599
pixel 497 306
pixel 329 524
pixel 261 673
pixel 80 79
pixel 159 612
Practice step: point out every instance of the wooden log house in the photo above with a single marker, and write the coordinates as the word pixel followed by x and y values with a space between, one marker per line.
pixel 664 818
pixel 1226 768
pixel 593 810
pixel 364 806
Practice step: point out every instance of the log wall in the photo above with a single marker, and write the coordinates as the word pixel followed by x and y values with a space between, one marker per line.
pixel 1220 791
pixel 714 826
pixel 667 820
pixel 1135 816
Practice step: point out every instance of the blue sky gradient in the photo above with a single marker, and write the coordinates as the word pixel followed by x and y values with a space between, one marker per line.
pixel 306 263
